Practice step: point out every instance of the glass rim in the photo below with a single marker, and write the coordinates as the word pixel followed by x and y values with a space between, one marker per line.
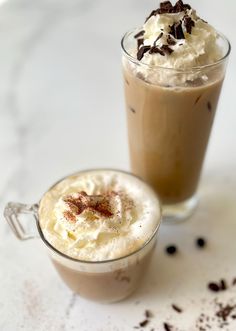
pixel 145 244
pixel 189 70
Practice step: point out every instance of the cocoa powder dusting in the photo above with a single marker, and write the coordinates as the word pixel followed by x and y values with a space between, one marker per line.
pixel 69 216
pixel 96 203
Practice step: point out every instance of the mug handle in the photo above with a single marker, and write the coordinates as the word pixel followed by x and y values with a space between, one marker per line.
pixel 12 212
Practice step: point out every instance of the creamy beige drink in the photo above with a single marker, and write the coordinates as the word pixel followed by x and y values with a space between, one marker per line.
pixel 168 134
pixel 174 67
pixel 103 225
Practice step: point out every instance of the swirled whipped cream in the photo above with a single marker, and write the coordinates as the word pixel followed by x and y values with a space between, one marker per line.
pixel 99 215
pixel 175 37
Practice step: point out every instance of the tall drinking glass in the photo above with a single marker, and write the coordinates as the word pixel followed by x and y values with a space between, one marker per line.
pixel 169 125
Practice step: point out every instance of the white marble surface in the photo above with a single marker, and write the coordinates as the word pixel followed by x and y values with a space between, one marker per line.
pixel 61 110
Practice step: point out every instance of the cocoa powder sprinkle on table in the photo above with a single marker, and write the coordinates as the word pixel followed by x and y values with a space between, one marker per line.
pixel 225 311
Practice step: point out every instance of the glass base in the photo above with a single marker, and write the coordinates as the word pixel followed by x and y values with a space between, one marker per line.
pixel 179 212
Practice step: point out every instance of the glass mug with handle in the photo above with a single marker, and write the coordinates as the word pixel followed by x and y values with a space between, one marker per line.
pixel 107 280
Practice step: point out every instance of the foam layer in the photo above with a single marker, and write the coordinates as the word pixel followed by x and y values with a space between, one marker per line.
pixel 99 215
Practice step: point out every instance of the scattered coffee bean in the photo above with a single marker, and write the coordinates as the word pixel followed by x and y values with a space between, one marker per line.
pixel 201 242
pixel 171 250
pixel 214 287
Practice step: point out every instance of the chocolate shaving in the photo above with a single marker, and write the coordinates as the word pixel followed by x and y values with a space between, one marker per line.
pixel 189 24
pixel 167 8
pixel 140 42
pixel 176 308
pixel 156 49
pixel 166 49
pixel 143 323
pixel 170 40
pixel 176 30
pixel 159 37
pixel 142 51
pixel 139 34
pixel 180 6
pixel 234 282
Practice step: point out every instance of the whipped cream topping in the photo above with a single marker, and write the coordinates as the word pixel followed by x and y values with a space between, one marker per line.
pixel 175 37
pixel 99 215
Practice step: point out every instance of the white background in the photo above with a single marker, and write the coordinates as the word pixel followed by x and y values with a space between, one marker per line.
pixel 62 110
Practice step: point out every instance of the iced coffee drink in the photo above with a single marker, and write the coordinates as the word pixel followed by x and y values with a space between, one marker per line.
pixel 100 227
pixel 174 67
